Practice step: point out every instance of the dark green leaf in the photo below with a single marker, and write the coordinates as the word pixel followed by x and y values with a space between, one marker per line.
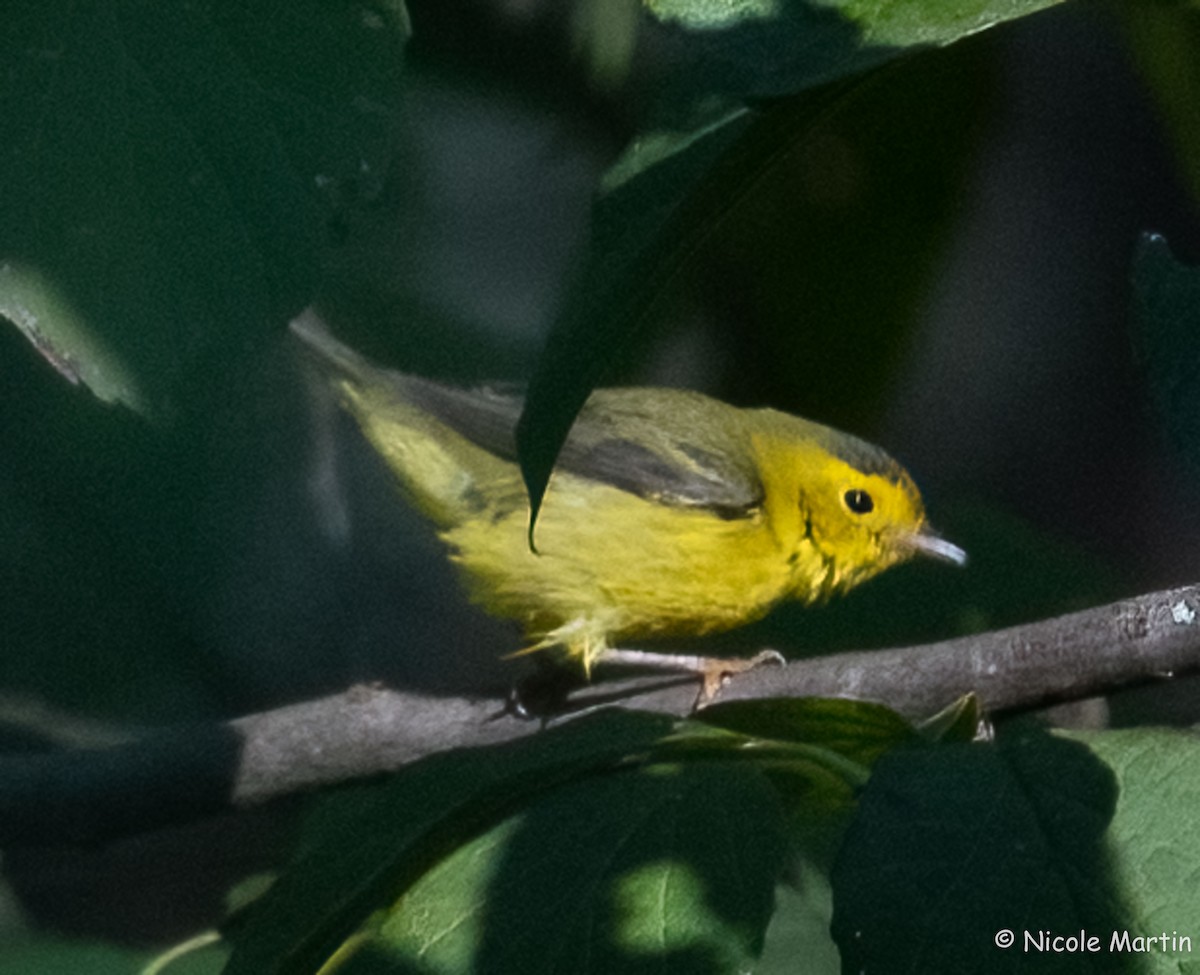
pixel 756 48
pixel 953 844
pixel 819 214
pixel 643 233
pixel 170 170
pixel 816 752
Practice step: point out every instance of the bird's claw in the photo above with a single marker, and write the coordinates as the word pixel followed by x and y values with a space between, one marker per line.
pixel 720 670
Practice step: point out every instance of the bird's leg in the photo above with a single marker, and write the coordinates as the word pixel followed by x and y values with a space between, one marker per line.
pixel 714 671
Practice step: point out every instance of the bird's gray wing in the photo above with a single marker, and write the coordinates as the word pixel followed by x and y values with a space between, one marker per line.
pixel 671 446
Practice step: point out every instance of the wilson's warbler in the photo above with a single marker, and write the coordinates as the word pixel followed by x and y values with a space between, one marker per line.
pixel 668 513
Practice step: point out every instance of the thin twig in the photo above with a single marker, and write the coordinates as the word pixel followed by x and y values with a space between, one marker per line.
pixel 184 773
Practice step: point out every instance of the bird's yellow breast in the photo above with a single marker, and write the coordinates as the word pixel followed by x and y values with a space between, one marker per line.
pixel 634 567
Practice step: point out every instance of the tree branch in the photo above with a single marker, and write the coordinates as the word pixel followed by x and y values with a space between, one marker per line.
pixel 86 795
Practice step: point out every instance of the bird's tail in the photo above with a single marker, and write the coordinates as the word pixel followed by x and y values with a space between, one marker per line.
pixel 442 473
pixel 320 345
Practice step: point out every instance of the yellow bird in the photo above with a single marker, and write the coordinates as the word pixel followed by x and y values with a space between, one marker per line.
pixel 668 513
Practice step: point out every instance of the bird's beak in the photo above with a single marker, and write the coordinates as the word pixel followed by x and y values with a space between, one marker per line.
pixel 928 542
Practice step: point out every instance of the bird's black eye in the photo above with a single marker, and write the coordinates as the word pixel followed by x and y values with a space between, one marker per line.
pixel 858 501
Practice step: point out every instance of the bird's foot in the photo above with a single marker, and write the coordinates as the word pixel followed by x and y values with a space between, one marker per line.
pixel 714 672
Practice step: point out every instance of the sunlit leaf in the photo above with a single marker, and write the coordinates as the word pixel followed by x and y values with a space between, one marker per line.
pixel 368 844
pixel 668 869
pixel 776 47
pixel 1152 849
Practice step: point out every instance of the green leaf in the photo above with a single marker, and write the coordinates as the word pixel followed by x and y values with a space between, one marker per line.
pixel 59 956
pixel 858 730
pixel 368 844
pixel 1167 318
pixel 817 752
pixel 958 721
pixel 170 170
pixel 662 207
pixel 953 844
pixel 1153 845
pixel 823 211
pixel 665 869
pixel 834 743
pixel 777 47
pixel 799 928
